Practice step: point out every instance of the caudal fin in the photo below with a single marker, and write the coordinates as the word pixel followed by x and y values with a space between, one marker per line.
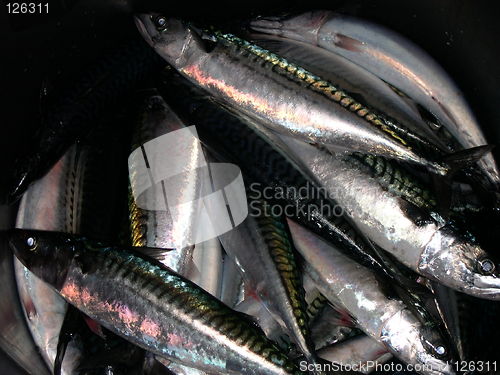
pixel 465 158
pixel 454 163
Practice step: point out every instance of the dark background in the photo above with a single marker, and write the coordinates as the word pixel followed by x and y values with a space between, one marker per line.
pixel 49 51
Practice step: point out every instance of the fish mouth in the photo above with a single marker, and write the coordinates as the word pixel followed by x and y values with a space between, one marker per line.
pixel 455 264
pixel 16 240
pixel 402 335
pixel 487 287
pixel 146 27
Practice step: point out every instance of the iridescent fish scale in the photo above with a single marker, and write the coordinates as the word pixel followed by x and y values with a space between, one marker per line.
pixel 137 221
pixel 268 165
pixel 316 306
pixel 193 301
pixel 282 253
pixel 314 82
pixel 397 181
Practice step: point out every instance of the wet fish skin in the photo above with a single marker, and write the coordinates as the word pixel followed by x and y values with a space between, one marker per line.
pixel 356 289
pixel 49 204
pixel 328 325
pixel 231 283
pixel 150 305
pixel 398 181
pixel 265 162
pixel 395 59
pixel 78 195
pixel 424 243
pixel 328 329
pixel 262 157
pixel 324 114
pixel 262 248
pixel 410 187
pixel 15 338
pixel 178 369
pixel 208 265
pixel 359 83
pixel 316 306
pixel 156 228
pixel 273 330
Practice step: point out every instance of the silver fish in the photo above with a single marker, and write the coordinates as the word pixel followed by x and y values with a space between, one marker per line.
pixel 175 368
pixel 361 353
pixel 179 369
pixel 232 287
pixel 356 289
pixel 51 203
pixel 355 80
pixel 156 228
pixel 329 330
pixel 165 214
pixel 207 262
pixel 150 305
pixel 260 246
pixel 256 308
pixel 327 327
pixel 423 243
pixel 275 92
pixel 15 337
pixel 396 60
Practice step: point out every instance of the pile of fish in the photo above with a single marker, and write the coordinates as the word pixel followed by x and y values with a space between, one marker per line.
pixel 361 172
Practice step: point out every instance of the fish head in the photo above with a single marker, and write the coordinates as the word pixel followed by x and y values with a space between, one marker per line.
pixel 173 39
pixel 405 336
pixel 461 264
pixel 47 255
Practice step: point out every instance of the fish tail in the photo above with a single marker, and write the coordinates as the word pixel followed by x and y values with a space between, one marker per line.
pixel 451 164
pixel 459 160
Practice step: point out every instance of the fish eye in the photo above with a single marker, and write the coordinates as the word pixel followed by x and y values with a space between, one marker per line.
pixel 437 348
pixel 31 242
pixel 486 266
pixel 160 22
pixel 440 350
